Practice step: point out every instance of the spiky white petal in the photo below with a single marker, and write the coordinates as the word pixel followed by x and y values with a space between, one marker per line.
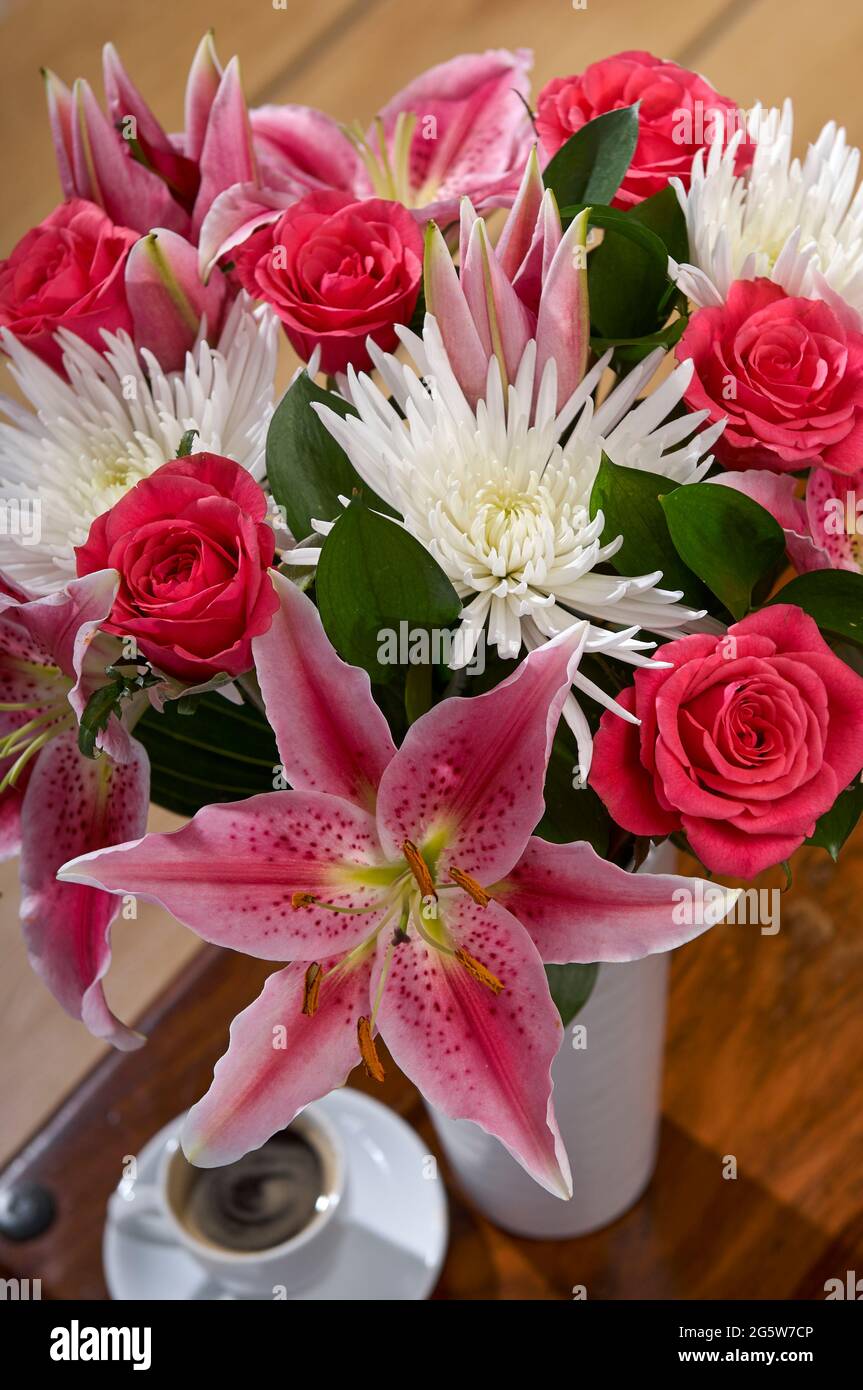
pixel 117 419
pixel 799 223
pixel 500 496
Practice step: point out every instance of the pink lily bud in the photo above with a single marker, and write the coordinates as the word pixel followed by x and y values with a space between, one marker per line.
pixel 167 298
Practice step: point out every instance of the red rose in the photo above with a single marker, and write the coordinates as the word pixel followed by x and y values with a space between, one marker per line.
pixel 335 271
pixel 67 273
pixel 678 114
pixel 785 372
pixel 743 744
pixel 192 549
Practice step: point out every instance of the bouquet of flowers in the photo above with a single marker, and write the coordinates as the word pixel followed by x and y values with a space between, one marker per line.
pixel 550 550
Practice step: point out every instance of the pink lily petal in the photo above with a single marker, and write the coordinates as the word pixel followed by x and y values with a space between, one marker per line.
pixel 10 815
pixel 59 100
pixel 475 1054
pixel 467 783
pixel 305 147
pixel 234 215
pixel 63 628
pixel 227 156
pixel 167 298
pixel 503 323
pixel 125 102
pixel 533 271
pixel 202 84
pixel 516 237
pixel 331 735
pixel 445 299
pixel 232 872
pixel 471 118
pixel 834 513
pixel 106 173
pixel 563 323
pixel 72 805
pixel 577 906
pixel 278 1060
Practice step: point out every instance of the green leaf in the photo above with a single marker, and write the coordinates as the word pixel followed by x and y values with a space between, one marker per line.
pixel 590 167
pixel 306 468
pixel 663 215
pixel 728 540
pixel 373 575
pixel 630 501
pixel 833 828
pixel 187 443
pixel 572 811
pixel 101 705
pixel 571 986
pixel 631 295
pixel 834 598
pixel 219 752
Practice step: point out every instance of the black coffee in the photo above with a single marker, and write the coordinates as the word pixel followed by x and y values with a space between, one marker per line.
pixel 261 1200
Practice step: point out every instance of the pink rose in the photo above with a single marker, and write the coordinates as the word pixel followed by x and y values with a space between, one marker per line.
pixel 785 372
pixel 336 270
pixel 743 744
pixel 67 273
pixel 192 549
pixel 678 114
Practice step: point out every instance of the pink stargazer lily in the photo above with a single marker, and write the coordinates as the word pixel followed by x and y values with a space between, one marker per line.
pixel 53 801
pixel 533 284
pixel 459 128
pixel 409 892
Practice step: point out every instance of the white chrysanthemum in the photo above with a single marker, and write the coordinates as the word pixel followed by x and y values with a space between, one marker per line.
pixel 500 496
pixel 116 420
pixel 799 224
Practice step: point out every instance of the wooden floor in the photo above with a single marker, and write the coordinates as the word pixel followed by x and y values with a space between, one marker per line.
pixel 766 1041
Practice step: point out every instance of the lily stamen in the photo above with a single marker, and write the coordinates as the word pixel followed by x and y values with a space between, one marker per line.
pixel 372 1064
pixel 312 988
pixel 471 887
pixel 480 972
pixel 420 869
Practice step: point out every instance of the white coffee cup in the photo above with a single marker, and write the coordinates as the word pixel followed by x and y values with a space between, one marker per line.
pixel 153 1210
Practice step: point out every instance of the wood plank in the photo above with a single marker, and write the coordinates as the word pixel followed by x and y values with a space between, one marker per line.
pixel 781 48
pixel 381 53
pixel 693 1235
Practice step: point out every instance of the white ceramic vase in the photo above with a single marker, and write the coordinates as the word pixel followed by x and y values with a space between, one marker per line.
pixel 607 1101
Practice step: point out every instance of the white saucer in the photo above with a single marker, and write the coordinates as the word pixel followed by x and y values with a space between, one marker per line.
pixel 396 1219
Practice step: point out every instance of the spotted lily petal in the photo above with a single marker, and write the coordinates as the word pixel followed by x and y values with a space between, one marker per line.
pixel 472 134
pixel 73 804
pixel 578 907
pixel 232 874
pixel 331 735
pixel 467 783
pixel 475 1053
pixel 279 1059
